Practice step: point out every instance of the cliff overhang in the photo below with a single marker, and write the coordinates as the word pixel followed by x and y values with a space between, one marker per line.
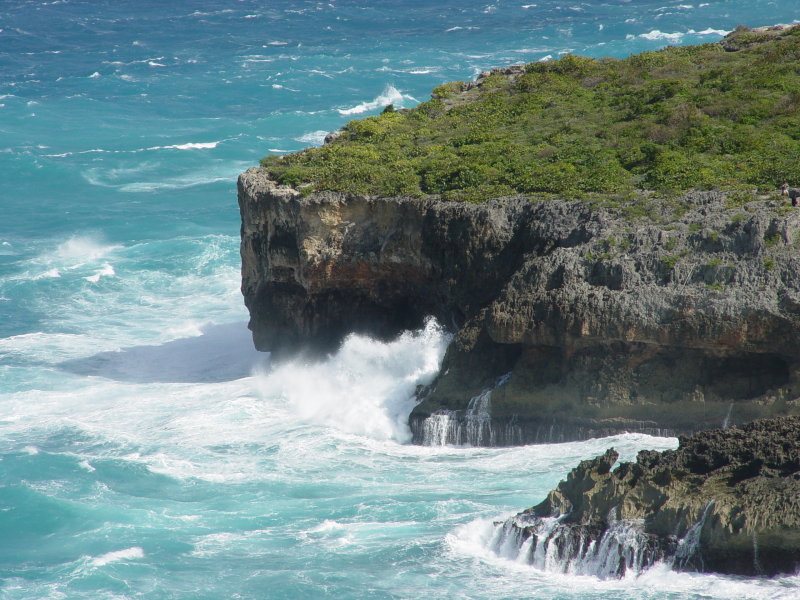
pixel 577 320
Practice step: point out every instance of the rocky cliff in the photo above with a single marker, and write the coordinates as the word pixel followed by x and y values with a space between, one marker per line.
pixel 574 318
pixel 724 501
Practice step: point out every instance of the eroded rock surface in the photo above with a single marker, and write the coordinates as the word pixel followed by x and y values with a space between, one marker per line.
pixel 725 501
pixel 579 321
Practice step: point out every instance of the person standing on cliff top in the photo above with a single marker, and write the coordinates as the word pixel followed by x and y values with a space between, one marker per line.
pixel 793 193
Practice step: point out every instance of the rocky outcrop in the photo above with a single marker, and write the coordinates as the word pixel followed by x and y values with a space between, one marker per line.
pixel 572 320
pixel 726 501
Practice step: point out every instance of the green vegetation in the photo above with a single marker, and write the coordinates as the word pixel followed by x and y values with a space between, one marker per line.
pixel 668 121
pixel 670 261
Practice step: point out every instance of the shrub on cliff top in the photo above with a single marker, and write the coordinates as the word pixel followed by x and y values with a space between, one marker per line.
pixel 669 120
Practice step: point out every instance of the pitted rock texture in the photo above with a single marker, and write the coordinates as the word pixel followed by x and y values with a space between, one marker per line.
pixel 738 488
pixel 665 324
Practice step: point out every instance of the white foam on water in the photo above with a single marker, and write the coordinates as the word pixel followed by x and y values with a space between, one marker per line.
pixel 222 172
pixel 473 541
pixel 187 146
pixel 49 274
pixel 313 137
pixel 67 256
pixel 117 556
pixel 82 248
pixel 710 31
pixel 46 347
pixel 656 35
pixel 390 95
pixel 106 271
pixel 366 387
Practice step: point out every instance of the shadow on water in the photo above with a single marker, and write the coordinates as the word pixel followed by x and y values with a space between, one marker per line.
pixel 220 353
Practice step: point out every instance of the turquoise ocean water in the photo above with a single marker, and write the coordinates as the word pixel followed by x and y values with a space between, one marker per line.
pixel 146 451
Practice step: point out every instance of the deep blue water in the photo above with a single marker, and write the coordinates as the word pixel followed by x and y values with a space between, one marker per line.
pixel 146 451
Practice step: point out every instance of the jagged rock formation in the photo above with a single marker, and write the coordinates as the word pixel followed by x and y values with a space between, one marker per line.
pixel 578 320
pixel 726 501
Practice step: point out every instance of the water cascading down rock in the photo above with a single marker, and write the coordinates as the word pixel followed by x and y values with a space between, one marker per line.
pixel 727 501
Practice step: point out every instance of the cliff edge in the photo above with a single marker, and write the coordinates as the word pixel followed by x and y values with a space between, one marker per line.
pixel 573 320
pixel 550 214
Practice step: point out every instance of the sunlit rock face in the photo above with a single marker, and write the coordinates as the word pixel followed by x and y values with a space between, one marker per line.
pixel 577 321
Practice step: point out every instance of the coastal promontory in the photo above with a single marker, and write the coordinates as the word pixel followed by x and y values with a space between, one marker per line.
pixel 603 237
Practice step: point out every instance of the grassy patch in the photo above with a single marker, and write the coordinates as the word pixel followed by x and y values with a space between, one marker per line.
pixel 668 121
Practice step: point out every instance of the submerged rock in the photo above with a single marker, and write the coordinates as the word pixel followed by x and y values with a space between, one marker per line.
pixel 578 320
pixel 726 501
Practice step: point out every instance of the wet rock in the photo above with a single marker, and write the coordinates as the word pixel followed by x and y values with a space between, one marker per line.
pixel 662 324
pixel 726 501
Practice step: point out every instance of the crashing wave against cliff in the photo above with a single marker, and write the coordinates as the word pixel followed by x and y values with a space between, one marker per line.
pixel 664 325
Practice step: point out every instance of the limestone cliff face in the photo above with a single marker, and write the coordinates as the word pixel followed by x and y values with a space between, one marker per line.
pixel 315 269
pixel 605 324
pixel 724 501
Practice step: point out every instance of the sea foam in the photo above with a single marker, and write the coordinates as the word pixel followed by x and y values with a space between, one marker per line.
pixel 366 387
pixel 117 556
pixel 390 95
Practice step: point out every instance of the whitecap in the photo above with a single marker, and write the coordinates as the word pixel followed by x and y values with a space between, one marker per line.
pixel 94 75
pixel 86 247
pixel 326 526
pixel 106 271
pixel 187 146
pixel 313 137
pixel 49 274
pixel 118 555
pixel 390 95
pixel 710 31
pixel 655 34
